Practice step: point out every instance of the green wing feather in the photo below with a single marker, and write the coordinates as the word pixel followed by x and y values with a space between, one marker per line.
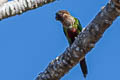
pixel 66 34
pixel 77 25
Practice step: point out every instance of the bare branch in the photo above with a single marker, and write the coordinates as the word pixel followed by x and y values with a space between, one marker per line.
pixel 15 7
pixel 3 1
pixel 83 44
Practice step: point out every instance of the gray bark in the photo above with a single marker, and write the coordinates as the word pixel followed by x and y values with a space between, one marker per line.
pixel 2 2
pixel 83 44
pixel 15 7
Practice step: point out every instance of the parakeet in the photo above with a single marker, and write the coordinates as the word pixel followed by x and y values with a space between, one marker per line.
pixel 71 28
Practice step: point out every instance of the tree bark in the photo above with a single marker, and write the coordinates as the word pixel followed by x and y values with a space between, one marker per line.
pixel 83 44
pixel 15 7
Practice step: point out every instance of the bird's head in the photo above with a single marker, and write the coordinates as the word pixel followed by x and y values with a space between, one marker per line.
pixel 60 15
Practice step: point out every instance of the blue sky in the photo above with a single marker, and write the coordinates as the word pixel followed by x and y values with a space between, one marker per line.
pixel 28 42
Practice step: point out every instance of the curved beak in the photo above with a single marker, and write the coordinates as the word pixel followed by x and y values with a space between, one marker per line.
pixel 58 16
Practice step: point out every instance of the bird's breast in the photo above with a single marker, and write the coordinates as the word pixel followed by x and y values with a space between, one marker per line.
pixel 72 34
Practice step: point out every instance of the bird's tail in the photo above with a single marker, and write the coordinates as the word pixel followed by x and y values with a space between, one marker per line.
pixel 83 66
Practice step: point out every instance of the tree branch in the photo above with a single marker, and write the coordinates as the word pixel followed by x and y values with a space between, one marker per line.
pixel 83 44
pixel 15 7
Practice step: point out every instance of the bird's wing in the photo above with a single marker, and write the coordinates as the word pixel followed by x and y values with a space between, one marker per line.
pixel 77 23
pixel 66 34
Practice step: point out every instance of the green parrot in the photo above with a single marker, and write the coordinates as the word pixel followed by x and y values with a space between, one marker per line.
pixel 71 28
